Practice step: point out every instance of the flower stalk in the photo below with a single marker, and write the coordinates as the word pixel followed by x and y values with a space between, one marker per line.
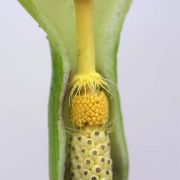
pixel 85 36
pixel 86 76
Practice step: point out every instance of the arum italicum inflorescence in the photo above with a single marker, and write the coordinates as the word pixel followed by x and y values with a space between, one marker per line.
pixel 90 146
pixel 86 137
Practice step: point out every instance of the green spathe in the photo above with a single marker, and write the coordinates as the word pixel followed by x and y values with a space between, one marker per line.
pixel 57 18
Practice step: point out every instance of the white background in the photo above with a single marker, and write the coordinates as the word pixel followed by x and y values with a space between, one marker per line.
pixel 149 78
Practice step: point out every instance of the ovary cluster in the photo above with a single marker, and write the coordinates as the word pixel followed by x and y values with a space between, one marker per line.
pixel 89 109
pixel 90 155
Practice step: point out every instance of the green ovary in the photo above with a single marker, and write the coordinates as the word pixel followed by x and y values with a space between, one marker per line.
pixel 90 155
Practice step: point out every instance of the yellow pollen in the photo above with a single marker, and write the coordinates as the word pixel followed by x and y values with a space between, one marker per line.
pixel 89 109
